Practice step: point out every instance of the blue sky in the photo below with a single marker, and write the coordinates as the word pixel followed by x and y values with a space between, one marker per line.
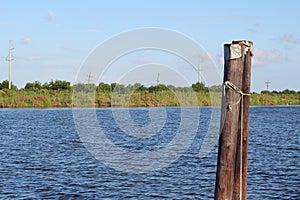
pixel 53 38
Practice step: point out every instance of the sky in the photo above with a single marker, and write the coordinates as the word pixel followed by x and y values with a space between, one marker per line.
pixel 52 39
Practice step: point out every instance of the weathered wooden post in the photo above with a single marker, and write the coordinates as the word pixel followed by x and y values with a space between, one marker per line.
pixel 231 180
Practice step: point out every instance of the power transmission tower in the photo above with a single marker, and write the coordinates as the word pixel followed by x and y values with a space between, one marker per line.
pixel 10 58
pixel 267 85
pixel 157 79
pixel 89 78
pixel 199 74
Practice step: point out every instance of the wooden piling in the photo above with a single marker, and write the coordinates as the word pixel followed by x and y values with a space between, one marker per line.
pixel 231 179
pixel 246 117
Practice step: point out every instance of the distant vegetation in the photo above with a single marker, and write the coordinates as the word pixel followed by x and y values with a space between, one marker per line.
pixel 59 93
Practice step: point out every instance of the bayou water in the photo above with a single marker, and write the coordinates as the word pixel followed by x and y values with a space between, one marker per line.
pixel 43 157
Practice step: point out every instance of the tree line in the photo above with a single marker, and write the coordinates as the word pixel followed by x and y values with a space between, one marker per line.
pixel 36 85
pixel 61 85
pixel 59 93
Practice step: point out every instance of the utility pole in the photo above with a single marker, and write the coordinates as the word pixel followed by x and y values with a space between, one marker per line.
pixel 267 85
pixel 10 58
pixel 231 178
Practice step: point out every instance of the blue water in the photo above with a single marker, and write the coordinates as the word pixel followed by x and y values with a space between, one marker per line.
pixel 43 157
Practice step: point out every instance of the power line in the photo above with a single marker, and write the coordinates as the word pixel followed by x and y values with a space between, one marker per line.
pixel 10 58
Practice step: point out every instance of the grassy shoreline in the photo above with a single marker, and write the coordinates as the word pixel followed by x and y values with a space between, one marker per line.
pixel 64 99
pixel 60 94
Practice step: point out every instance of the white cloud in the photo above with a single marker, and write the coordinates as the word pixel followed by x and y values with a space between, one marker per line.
pixel 289 38
pixel 51 16
pixel 26 40
pixel 266 57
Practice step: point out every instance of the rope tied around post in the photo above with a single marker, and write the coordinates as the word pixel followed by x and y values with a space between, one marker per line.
pixel 233 87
